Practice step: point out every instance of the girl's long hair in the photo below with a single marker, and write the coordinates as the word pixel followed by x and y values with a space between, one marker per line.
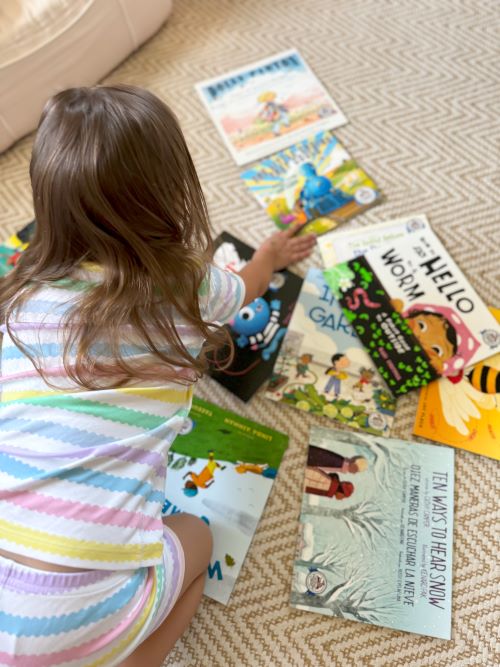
pixel 114 184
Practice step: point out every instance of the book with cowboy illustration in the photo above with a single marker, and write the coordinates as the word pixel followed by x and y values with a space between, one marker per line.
pixel 259 327
pixel 464 410
pixel 415 312
pixel 12 248
pixel 339 246
pixel 376 532
pixel 315 183
pixel 268 105
pixel 322 367
pixel 221 468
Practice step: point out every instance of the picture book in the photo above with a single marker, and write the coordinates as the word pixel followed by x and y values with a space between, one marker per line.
pixel 322 367
pixel 11 249
pixel 221 468
pixel 376 532
pixel 464 410
pixel 258 329
pixel 268 105
pixel 340 246
pixel 315 183
pixel 414 311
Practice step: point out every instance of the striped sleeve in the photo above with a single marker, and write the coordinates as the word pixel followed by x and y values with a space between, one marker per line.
pixel 221 295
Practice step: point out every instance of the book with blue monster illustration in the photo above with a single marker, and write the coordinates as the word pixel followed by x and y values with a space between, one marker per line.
pixel 322 367
pixel 315 183
pixel 258 329
pixel 376 532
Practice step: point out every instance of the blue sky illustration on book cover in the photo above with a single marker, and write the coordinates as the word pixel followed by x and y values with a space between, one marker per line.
pixel 323 368
pixel 376 532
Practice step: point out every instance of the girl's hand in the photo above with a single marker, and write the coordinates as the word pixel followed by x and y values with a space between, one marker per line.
pixel 283 248
pixel 277 252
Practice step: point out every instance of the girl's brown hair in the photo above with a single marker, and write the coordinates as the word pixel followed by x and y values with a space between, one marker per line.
pixel 114 184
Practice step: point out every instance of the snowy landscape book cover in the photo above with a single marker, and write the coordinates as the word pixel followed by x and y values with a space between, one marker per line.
pixel 415 312
pixel 268 105
pixel 258 328
pixel 315 183
pixel 376 532
pixel 322 367
pixel 221 468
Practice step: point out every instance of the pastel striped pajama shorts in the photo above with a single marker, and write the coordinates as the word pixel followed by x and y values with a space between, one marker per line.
pixel 84 619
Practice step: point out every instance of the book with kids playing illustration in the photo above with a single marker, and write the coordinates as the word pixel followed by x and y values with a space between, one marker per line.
pixel 268 105
pixel 414 311
pixel 259 327
pixel 315 183
pixel 322 367
pixel 464 410
pixel 221 467
pixel 376 532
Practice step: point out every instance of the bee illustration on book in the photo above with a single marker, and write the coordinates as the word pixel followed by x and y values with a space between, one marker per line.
pixel 462 394
pixel 258 326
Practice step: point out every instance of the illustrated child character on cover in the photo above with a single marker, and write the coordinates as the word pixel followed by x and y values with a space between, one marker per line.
pixel 302 365
pixel 336 374
pixel 322 470
pixel 442 334
pixel 204 479
pixel 273 112
pixel 365 379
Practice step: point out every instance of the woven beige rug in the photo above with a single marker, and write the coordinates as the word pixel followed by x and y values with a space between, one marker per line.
pixel 419 82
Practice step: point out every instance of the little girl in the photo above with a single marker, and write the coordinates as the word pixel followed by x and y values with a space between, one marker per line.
pixel 106 322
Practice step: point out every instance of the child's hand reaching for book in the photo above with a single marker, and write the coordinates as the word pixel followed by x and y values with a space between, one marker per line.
pixel 275 253
pixel 286 248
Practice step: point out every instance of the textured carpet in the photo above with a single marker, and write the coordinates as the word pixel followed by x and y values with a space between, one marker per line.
pixel 419 82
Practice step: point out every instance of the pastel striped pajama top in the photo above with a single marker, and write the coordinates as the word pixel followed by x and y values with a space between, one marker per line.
pixel 82 473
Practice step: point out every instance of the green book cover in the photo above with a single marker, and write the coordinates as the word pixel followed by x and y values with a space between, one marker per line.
pixel 221 468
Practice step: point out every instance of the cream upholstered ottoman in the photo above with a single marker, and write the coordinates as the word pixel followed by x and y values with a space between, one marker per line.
pixel 49 45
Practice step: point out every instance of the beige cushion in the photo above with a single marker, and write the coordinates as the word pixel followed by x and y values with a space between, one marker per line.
pixel 49 45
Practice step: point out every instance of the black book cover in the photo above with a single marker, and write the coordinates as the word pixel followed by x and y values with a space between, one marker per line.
pixel 259 328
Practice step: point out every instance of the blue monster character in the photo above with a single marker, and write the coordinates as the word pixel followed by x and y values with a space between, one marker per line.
pixel 318 196
pixel 258 326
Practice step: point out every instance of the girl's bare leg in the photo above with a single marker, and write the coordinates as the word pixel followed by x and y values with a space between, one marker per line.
pixel 196 540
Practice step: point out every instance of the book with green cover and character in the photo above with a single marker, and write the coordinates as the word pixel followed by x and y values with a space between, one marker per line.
pixel 221 467
pixel 415 312
pixel 315 183
pixel 322 367
pixel 376 532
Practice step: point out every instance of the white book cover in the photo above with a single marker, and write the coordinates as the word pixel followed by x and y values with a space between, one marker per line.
pixel 268 105
pixel 340 246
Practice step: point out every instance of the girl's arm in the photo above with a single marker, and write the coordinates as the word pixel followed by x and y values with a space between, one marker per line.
pixel 276 253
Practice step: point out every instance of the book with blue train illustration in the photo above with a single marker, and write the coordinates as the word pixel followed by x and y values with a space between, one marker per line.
pixel 414 310
pixel 11 249
pixel 268 105
pixel 322 367
pixel 315 183
pixel 376 532
pixel 221 468
pixel 258 329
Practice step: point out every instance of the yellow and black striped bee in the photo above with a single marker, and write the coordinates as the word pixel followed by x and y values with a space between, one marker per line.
pixel 484 378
